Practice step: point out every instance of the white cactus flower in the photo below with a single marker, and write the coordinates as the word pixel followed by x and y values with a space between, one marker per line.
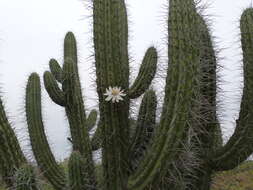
pixel 114 94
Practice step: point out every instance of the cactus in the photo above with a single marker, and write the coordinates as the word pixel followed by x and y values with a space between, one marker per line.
pixel 11 156
pixel 77 177
pixel 215 157
pixel 40 146
pixel 190 99
pixel 142 154
pixel 144 129
pixel 92 119
pixel 112 69
pixel 69 95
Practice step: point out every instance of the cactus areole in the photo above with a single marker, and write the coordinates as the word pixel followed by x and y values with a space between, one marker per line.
pixel 180 150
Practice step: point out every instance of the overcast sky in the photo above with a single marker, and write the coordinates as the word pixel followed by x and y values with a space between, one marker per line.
pixel 32 32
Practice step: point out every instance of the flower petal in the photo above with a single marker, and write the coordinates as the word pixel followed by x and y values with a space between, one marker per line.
pixel 114 94
pixel 122 94
pixel 108 98
pixel 120 98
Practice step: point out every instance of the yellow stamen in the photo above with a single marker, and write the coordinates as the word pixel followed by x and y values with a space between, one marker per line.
pixel 115 92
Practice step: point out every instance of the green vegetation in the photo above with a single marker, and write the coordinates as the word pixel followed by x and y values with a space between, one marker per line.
pixel 182 149
pixel 239 178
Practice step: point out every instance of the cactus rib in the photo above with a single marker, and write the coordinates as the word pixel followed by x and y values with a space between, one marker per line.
pixel 53 90
pixel 40 146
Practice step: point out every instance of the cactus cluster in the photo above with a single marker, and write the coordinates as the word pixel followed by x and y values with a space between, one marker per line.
pixel 145 153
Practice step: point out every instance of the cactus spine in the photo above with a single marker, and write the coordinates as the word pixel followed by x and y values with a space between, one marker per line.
pixel 40 146
pixel 92 119
pixel 77 177
pixel 189 107
pixel 112 69
pixel 144 129
pixel 11 156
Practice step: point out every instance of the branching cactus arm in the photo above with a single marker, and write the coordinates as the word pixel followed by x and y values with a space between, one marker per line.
pixel 146 74
pixel 239 147
pixel 181 89
pixel 92 119
pixel 68 93
pixel 56 70
pixel 53 89
pixel 145 127
pixel 112 70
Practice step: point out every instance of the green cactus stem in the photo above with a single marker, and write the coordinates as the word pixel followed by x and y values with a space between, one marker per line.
pixel 188 118
pixel 97 139
pixel 208 136
pixel 53 89
pixel 146 74
pixel 180 92
pixel 112 69
pixel 91 120
pixel 7 164
pixel 144 129
pixel 75 110
pixel 208 132
pixel 239 146
pixel 78 177
pixel 56 70
pixel 70 96
pixel 11 154
pixel 42 152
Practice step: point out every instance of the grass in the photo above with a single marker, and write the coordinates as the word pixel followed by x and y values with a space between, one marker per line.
pixel 239 178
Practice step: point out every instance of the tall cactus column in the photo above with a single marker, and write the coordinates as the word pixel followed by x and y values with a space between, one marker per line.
pixel 69 95
pixel 215 157
pixel 239 146
pixel 11 155
pixel 112 69
pixel 181 92
pixel 41 149
pixel 206 135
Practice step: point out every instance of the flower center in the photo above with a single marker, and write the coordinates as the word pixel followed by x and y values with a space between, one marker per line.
pixel 115 92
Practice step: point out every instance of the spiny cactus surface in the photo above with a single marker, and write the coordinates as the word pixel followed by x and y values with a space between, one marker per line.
pixel 180 150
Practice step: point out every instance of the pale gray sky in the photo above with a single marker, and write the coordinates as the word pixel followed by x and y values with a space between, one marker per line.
pixel 32 32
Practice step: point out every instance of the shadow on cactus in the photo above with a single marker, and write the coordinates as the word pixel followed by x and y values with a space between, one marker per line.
pixel 181 151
